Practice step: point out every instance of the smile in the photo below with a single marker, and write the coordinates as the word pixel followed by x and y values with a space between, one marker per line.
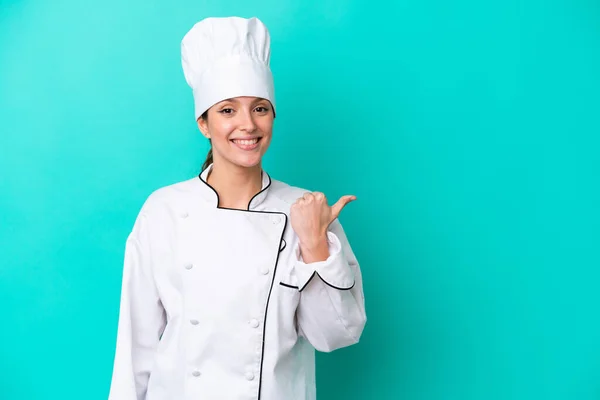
pixel 246 144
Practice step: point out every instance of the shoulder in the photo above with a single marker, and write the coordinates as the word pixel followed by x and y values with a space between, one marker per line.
pixel 285 192
pixel 160 208
pixel 168 196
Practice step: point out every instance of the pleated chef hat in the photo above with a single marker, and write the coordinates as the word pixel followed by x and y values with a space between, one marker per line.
pixel 227 57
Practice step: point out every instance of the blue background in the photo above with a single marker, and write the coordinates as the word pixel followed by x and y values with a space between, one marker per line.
pixel 467 129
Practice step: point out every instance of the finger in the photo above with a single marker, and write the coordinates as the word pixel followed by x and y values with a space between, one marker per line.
pixel 307 196
pixel 319 196
pixel 341 203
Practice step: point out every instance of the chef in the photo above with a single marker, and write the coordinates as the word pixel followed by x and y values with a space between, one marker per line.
pixel 232 279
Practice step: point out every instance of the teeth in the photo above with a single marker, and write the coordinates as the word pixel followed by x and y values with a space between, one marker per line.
pixel 246 142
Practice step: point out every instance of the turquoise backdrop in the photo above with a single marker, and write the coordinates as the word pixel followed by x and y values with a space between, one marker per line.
pixel 469 130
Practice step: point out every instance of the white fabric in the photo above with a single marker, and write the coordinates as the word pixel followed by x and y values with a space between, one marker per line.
pixel 228 57
pixel 218 285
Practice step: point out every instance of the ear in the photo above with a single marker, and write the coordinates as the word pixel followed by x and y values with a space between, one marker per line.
pixel 203 126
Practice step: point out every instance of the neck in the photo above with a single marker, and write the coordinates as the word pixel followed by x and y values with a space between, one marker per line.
pixel 235 185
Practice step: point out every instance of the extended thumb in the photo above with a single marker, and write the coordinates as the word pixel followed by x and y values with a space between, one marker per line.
pixel 336 209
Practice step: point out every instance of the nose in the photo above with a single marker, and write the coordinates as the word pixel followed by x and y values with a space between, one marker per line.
pixel 246 122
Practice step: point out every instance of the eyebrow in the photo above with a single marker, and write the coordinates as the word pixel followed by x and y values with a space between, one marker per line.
pixel 234 100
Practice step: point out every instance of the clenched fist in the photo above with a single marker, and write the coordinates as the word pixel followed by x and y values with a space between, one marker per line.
pixel 310 217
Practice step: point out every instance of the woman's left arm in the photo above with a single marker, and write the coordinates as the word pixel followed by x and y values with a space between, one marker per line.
pixel 331 313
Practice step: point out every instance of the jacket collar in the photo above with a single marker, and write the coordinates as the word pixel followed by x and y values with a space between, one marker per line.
pixel 211 195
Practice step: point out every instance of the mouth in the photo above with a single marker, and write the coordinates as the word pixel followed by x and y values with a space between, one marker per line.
pixel 246 144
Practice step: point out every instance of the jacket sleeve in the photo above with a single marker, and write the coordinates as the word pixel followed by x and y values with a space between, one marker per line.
pixel 331 313
pixel 142 319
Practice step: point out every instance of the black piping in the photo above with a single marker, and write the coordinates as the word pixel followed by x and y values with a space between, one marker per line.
pixel 284 244
pixel 324 281
pixel 290 286
pixel 262 356
pixel 249 203
pixel 266 187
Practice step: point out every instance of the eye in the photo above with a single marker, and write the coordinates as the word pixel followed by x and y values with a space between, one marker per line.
pixel 262 109
pixel 226 111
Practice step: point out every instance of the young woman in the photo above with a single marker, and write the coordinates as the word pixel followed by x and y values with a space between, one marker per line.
pixel 232 279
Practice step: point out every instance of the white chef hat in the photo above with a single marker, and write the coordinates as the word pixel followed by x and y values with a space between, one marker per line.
pixel 228 57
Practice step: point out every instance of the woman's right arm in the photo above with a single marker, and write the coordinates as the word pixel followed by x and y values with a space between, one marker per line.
pixel 142 319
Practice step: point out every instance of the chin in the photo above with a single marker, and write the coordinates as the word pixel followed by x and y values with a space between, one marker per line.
pixel 247 162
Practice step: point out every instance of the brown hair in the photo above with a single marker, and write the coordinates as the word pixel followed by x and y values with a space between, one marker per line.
pixel 209 156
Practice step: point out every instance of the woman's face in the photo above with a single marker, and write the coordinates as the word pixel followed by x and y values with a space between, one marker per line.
pixel 240 130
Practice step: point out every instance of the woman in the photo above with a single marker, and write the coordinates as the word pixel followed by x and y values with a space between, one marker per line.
pixel 232 279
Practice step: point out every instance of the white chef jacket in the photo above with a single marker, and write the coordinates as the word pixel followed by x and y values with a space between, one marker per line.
pixel 217 303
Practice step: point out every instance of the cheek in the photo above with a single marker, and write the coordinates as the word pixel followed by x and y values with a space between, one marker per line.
pixel 266 128
pixel 266 141
pixel 220 132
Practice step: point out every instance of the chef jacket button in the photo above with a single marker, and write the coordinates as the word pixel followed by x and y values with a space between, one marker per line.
pixel 196 373
pixel 194 322
pixel 254 323
pixel 189 266
pixel 275 219
pixel 249 376
pixel 264 270
pixel 185 214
